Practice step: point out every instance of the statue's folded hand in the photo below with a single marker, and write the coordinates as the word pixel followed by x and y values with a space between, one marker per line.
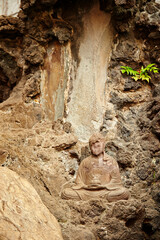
pixel 79 186
pixel 94 187
pixel 112 187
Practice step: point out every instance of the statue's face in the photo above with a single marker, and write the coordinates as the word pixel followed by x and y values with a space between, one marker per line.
pixel 97 148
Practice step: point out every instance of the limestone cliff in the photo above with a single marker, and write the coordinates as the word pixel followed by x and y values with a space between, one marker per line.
pixel 60 81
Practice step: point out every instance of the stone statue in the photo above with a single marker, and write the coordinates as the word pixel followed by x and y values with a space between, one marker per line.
pixel 98 176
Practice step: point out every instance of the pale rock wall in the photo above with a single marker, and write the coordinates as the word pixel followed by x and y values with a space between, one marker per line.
pixel 53 82
pixel 76 90
pixel 50 38
pixel 87 104
pixel 9 7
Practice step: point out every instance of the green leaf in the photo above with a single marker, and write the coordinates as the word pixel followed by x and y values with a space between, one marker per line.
pixel 142 74
pixel 145 77
pixel 136 77
pixel 134 72
pixel 150 65
pixel 154 69
pixel 123 67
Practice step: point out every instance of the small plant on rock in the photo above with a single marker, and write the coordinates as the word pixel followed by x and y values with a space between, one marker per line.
pixel 142 74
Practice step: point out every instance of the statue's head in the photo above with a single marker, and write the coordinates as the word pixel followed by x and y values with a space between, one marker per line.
pixel 97 144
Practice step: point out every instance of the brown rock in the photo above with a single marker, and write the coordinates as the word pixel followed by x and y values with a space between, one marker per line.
pixel 10 74
pixel 151 8
pixel 47 2
pixel 11 26
pixel 33 52
pixel 84 234
pixel 32 87
pixel 80 77
pixel 22 213
pixel 124 158
pixel 156 124
pixel 64 141
pixel 43 156
pixel 150 142
pixel 120 2
pixel 62 30
pixel 67 127
pixel 128 210
pixel 3 156
pixel 26 4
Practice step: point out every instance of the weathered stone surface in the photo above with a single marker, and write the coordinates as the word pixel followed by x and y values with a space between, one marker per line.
pixel 67 127
pixel 130 120
pixel 11 70
pixel 130 84
pixel 156 124
pixel 126 50
pixel 3 156
pixel 110 221
pixel 80 233
pixel 120 2
pixel 154 112
pixel 50 2
pixel 151 8
pixel 32 86
pixel 149 142
pixel 63 141
pixel 149 16
pixel 10 74
pixel 8 7
pixel 62 30
pixel 49 27
pixel 53 96
pixel 19 201
pixel 125 158
pixel 26 4
pixel 11 26
pixel 89 73
pixel 142 172
pixel 33 52
pixel 128 210
pixel 126 3
pixel 66 103
pixel 85 152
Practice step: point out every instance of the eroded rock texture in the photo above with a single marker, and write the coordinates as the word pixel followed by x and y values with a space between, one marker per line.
pixel 8 7
pixel 23 215
pixel 60 81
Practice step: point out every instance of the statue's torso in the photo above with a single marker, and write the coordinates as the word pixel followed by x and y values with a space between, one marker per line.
pixel 97 172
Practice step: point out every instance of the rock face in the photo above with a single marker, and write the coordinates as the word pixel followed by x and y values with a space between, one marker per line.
pixel 22 213
pixel 60 80
pixel 80 70
pixel 97 219
pixel 9 7
pixel 89 78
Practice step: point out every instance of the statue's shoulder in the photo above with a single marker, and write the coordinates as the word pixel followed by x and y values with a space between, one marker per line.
pixel 86 160
pixel 111 161
pixel 109 158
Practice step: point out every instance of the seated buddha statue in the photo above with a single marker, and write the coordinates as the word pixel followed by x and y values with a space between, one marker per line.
pixel 98 176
